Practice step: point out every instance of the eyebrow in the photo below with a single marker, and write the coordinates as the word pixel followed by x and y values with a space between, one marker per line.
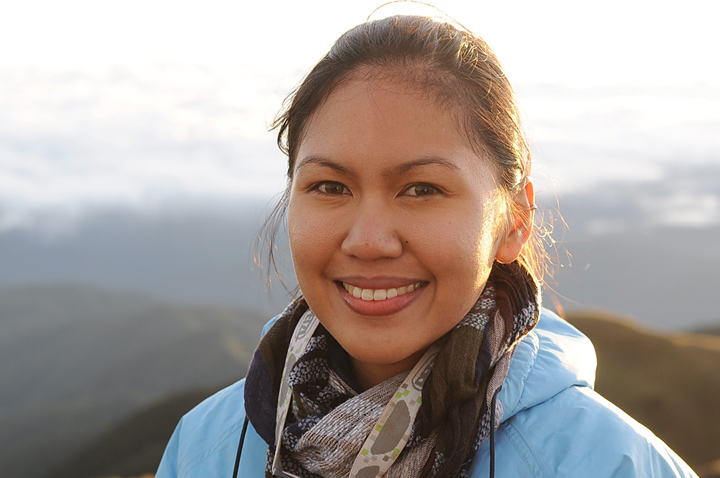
pixel 322 161
pixel 395 172
pixel 401 169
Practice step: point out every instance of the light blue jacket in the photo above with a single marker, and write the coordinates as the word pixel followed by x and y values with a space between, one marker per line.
pixel 553 425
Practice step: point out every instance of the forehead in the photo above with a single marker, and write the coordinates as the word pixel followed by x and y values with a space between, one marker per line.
pixel 377 125
pixel 403 81
pixel 376 108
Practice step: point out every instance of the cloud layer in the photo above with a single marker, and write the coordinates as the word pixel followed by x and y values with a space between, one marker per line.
pixel 78 140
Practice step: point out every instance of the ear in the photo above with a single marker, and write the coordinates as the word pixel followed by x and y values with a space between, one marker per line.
pixel 523 214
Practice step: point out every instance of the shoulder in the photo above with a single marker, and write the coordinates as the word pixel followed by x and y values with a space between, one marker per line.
pixel 205 441
pixel 553 357
pixel 213 422
pixel 578 433
pixel 555 425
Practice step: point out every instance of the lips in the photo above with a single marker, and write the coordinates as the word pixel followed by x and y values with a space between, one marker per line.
pixel 380 294
pixel 369 301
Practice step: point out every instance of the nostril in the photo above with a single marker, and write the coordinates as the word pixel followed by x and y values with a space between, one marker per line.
pixel 372 243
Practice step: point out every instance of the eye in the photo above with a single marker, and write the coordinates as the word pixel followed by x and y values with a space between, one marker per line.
pixel 332 188
pixel 422 190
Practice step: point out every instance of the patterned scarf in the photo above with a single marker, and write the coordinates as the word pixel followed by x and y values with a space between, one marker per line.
pixel 329 419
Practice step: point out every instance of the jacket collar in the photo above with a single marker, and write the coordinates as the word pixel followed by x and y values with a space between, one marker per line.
pixel 552 357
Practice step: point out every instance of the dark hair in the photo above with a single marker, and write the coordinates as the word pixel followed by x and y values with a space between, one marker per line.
pixel 453 64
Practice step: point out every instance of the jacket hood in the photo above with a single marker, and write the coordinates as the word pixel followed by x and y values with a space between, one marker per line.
pixel 554 356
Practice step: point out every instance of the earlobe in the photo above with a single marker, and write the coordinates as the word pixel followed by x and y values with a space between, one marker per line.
pixel 523 215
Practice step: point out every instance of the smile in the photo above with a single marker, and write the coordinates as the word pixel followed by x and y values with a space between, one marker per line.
pixel 380 294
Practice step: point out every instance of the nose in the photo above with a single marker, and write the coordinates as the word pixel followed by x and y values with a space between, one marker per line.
pixel 372 232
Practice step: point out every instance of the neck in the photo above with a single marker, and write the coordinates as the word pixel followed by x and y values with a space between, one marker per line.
pixel 368 374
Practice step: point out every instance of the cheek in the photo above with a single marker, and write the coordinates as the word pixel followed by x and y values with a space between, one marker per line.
pixel 311 240
pixel 300 235
pixel 473 236
pixel 494 226
pixel 464 251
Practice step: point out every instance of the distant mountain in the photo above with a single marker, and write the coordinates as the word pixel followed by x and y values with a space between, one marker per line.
pixel 710 330
pixel 197 253
pixel 664 275
pixel 75 359
pixel 669 382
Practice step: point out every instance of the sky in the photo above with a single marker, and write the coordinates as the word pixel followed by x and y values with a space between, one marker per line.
pixel 149 103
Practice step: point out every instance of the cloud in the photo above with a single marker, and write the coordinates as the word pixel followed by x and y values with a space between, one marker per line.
pixel 121 136
pixel 73 140
pixel 624 133
pixel 684 196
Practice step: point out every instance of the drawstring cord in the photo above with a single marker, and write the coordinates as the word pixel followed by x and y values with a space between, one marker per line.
pixel 240 447
pixel 493 404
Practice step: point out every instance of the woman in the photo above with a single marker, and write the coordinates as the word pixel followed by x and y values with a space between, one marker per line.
pixel 418 346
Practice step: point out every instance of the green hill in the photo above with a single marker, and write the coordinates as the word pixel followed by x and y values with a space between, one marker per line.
pixel 75 359
pixel 134 446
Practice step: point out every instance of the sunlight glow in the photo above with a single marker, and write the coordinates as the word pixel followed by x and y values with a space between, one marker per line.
pixel 124 101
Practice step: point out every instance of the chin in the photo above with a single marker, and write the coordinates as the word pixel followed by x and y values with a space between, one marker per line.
pixel 384 355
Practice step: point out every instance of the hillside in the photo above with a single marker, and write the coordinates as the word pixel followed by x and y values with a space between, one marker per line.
pixel 75 359
pixel 668 382
pixel 136 444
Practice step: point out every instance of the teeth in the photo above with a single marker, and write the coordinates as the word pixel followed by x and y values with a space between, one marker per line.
pixel 380 294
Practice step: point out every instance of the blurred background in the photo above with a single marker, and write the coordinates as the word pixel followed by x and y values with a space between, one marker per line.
pixel 136 168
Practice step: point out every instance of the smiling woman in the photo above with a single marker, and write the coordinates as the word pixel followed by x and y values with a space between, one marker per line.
pixel 418 346
pixel 382 178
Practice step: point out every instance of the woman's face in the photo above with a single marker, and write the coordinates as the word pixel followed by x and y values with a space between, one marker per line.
pixel 393 221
